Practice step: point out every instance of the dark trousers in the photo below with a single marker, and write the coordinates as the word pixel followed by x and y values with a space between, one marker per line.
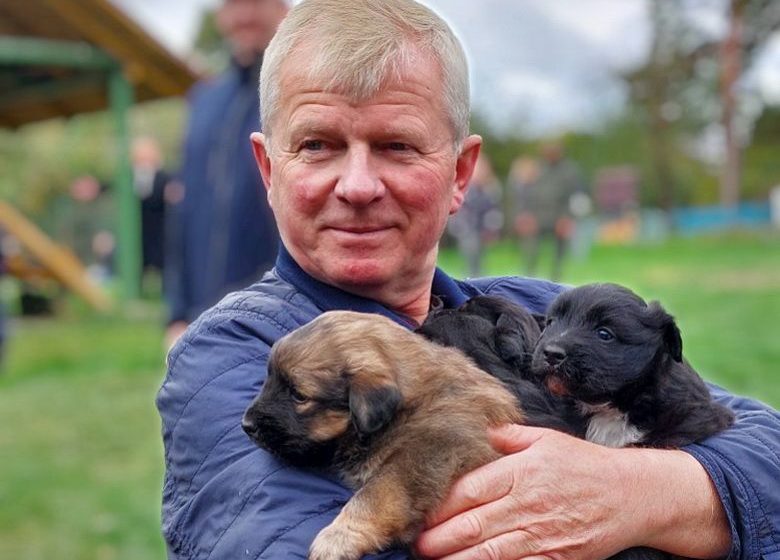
pixel 531 246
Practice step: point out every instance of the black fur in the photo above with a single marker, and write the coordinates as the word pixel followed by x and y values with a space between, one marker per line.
pixel 272 423
pixel 603 344
pixel 499 336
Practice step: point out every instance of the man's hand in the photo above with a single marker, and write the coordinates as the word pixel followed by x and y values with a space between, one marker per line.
pixel 551 496
pixel 555 496
pixel 173 333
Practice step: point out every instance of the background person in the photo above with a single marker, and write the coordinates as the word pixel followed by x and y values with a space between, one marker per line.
pixel 479 220
pixel 365 154
pixel 150 181
pixel 225 235
pixel 544 208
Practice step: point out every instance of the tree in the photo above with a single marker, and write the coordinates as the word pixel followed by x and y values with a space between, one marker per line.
pixel 689 81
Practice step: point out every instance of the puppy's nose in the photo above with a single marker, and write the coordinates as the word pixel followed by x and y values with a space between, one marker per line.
pixel 554 354
pixel 249 426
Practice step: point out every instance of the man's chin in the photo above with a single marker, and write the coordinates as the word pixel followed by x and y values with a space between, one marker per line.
pixel 362 275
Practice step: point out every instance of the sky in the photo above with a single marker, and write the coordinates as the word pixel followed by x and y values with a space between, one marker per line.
pixel 538 67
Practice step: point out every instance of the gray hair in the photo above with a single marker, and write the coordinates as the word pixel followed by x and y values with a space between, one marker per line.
pixel 362 43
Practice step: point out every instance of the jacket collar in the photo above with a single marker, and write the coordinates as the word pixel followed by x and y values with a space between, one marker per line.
pixel 328 298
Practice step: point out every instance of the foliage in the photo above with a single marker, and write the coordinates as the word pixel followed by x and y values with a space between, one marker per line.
pixel 41 160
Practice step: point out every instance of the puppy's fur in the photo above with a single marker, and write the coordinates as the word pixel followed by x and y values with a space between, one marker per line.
pixel 399 418
pixel 500 337
pixel 622 360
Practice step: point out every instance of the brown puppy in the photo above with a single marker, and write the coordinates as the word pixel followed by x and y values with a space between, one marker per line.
pixel 397 417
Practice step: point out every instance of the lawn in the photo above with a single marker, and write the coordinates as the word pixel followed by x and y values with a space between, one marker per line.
pixel 81 465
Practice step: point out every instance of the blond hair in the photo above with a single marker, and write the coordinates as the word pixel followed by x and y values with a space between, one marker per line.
pixel 360 44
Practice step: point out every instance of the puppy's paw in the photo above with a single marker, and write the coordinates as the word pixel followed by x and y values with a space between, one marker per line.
pixel 336 542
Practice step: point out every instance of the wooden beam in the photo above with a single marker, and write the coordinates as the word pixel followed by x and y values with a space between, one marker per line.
pixel 62 263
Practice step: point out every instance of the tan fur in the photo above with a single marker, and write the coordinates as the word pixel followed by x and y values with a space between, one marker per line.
pixel 437 434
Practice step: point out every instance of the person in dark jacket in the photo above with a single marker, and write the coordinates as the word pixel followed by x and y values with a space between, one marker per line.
pixel 150 181
pixel 543 207
pixel 223 235
pixel 365 153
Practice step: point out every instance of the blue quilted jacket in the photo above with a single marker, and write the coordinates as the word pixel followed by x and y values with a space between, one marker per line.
pixel 224 498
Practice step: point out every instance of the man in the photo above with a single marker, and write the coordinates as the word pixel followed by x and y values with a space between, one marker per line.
pixel 150 181
pixel 544 207
pixel 222 233
pixel 365 153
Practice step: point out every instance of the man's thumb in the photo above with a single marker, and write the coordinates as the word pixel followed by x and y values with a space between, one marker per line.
pixel 512 438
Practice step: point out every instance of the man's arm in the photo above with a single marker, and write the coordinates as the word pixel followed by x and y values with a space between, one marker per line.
pixel 223 496
pixel 744 465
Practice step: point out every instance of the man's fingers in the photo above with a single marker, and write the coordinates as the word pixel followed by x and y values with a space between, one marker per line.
pixel 488 483
pixel 512 438
pixel 511 545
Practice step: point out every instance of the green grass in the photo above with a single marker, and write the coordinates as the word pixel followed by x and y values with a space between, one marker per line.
pixel 81 468
pixel 82 459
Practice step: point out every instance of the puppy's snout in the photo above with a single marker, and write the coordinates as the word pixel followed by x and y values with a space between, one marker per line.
pixel 250 426
pixel 554 354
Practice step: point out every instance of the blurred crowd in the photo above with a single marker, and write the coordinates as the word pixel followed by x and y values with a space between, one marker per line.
pixel 543 197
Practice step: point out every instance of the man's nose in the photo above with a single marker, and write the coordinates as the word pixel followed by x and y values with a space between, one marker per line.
pixel 359 183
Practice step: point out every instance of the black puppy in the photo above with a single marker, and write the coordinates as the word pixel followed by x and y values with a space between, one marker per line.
pixel 621 359
pixel 500 336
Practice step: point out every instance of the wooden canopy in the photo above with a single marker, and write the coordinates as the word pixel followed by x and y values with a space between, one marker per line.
pixel 55 54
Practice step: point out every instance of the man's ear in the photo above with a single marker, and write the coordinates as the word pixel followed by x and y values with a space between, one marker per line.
pixel 262 157
pixel 464 169
pixel 372 407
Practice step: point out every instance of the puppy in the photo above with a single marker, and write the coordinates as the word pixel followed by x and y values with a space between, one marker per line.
pixel 621 360
pixel 500 337
pixel 397 417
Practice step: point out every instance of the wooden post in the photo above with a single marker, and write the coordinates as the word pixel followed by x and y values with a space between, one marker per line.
pixel 731 60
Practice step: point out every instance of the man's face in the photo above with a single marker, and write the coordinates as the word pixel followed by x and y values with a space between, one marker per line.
pixel 249 25
pixel 361 192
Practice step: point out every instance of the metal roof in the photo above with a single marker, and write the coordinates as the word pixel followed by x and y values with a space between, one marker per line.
pixel 55 56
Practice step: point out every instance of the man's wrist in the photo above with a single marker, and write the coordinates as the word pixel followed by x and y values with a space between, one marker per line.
pixel 677 506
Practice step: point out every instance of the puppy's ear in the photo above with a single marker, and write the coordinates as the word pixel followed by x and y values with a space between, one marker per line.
pixel 511 340
pixel 373 406
pixel 671 334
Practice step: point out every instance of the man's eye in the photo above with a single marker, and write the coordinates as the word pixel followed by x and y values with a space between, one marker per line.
pixel 312 145
pixel 397 146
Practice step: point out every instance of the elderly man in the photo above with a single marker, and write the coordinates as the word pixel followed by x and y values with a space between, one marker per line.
pixel 365 153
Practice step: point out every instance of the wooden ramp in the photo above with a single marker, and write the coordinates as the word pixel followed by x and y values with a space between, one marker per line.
pixel 59 261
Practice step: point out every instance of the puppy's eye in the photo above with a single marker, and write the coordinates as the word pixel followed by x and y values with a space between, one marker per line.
pixel 297 396
pixel 549 322
pixel 605 334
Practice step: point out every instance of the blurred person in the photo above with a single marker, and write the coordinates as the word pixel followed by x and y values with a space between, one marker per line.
pixel 365 153
pixel 543 206
pixel 479 220
pixel 224 236
pixel 84 221
pixel 150 181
